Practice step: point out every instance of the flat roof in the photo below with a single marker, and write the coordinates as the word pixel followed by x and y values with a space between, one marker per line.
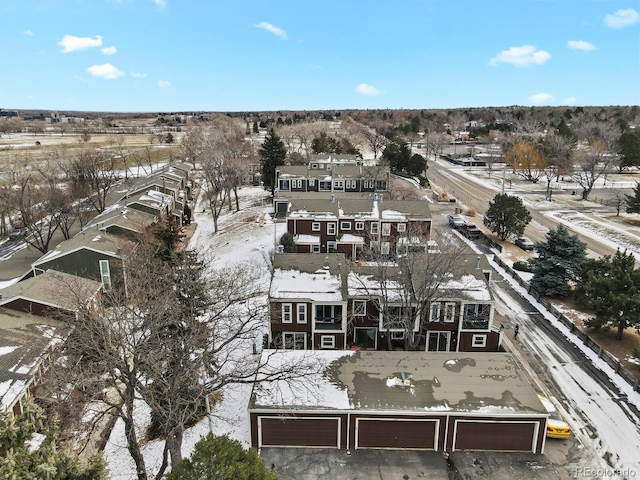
pixel 399 381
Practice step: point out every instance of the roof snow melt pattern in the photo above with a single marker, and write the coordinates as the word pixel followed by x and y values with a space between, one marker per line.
pixel 319 286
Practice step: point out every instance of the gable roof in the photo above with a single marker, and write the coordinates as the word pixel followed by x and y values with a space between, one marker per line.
pixel 52 289
pixel 101 242
pixel 24 341
pixel 122 217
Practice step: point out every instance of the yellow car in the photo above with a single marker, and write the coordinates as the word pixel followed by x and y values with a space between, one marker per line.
pixel 557 427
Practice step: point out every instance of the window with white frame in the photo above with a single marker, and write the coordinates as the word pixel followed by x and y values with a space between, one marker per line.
pixel 325 186
pixel 375 226
pixel 368 184
pixel 374 245
pixel 315 248
pixel 479 341
pixel 345 225
pixel 402 227
pixel 302 313
pixel 397 335
pixel 286 313
pixel 385 248
pixel 449 311
pixel 294 340
pixel 105 274
pixel 315 227
pixel 434 312
pixel 298 183
pixel 332 246
pixel 338 184
pixel 312 182
pixel 350 184
pixel 284 184
pixel 327 341
pixel 386 229
pixel 359 308
pixel 359 225
pixel 331 228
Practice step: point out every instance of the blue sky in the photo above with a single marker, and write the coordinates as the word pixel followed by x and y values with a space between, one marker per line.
pixel 237 55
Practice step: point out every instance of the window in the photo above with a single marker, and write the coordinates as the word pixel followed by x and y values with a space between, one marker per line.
pixel 328 313
pixel 367 184
pixel 331 246
pixel 286 313
pixel 327 341
pixel 315 227
pixel 312 182
pixel 397 335
pixel 366 338
pixel 375 227
pixel 402 227
pixel 325 186
pixel 315 248
pixel 438 341
pixel 359 308
pixel 359 225
pixel 345 225
pixel 294 340
pixel 302 313
pixel 476 316
pixel 350 184
pixel 386 229
pixel 400 317
pixel 385 247
pixel 298 183
pixel 380 185
pixel 105 274
pixel 449 311
pixel 331 228
pixel 479 341
pixel 338 184
pixel 434 312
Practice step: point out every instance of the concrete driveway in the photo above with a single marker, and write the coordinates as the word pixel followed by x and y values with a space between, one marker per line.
pixel 313 464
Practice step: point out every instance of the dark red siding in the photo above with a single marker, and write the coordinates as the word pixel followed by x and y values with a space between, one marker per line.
pixel 500 436
pixel 299 432
pixel 394 433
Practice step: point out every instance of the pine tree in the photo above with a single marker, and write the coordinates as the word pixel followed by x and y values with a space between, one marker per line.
pixel 633 201
pixel 558 264
pixel 219 458
pixel 272 154
pixel 19 458
pixel 611 289
pixel 506 216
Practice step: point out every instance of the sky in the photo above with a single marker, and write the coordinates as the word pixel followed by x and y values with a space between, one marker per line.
pixel 255 55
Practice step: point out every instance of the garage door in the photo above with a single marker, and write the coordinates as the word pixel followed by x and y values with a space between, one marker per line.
pixel 502 436
pixel 395 433
pixel 299 432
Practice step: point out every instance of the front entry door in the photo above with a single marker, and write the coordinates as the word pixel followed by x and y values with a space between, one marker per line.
pixel 438 341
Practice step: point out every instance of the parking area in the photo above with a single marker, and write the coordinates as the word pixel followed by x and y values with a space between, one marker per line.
pixel 313 464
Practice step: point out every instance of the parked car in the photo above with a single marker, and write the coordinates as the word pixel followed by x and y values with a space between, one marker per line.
pixel 17 233
pixel 470 230
pixel 524 243
pixel 456 220
pixel 557 427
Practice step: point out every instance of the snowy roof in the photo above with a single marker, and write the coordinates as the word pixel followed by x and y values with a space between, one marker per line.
pixel 120 216
pixel 456 382
pixel 369 284
pixel 319 286
pixel 24 340
pixel 94 240
pixel 360 207
pixel 306 238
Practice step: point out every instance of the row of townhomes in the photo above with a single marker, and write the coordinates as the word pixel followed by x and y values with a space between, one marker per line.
pixel 75 272
pixel 404 327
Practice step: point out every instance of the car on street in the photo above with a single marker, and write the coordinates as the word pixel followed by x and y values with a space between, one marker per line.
pixel 17 233
pixel 557 427
pixel 456 220
pixel 524 243
pixel 471 231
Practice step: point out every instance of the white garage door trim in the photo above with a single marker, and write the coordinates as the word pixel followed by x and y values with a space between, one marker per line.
pixel 534 440
pixel 271 417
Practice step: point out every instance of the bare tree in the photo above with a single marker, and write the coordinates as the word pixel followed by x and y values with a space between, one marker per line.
pixel 177 337
pixel 191 144
pixel 92 174
pixel 527 161
pixel 594 156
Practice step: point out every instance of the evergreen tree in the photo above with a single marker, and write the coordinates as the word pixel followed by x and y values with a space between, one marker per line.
pixel 272 154
pixel 629 149
pixel 633 201
pixel 506 216
pixel 610 287
pixel 289 244
pixel 219 458
pixel 256 130
pixel 558 264
pixel 20 459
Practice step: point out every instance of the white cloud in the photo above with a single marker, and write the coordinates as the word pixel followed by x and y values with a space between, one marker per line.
pixel 109 50
pixel 28 32
pixel 521 56
pixel 273 29
pixel 581 45
pixel 366 89
pixel 69 43
pixel 160 3
pixel 106 71
pixel 622 18
pixel 569 101
pixel 163 84
pixel 138 75
pixel 541 98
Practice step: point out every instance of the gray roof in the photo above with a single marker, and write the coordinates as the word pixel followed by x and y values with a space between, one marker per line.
pixel 24 340
pixel 97 241
pixel 119 215
pixel 403 382
pixel 52 289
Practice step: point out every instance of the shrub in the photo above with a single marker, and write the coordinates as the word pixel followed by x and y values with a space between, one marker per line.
pixel 523 266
